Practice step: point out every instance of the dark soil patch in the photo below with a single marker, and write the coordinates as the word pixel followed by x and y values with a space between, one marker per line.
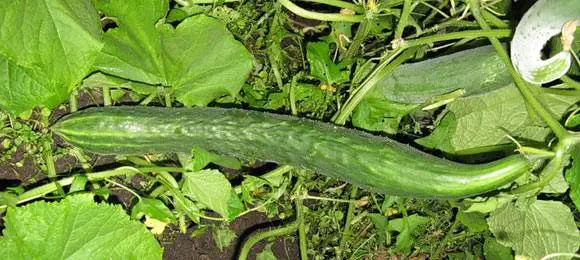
pixel 182 246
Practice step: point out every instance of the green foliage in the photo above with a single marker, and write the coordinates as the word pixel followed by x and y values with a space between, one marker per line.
pixel 47 48
pixel 573 177
pixel 223 236
pixel 474 221
pixel 494 250
pixel 537 229
pixel 160 52
pixel 266 253
pixel 211 189
pixel 145 50
pixel 479 123
pixel 75 228
pixel 321 66
pixel 153 208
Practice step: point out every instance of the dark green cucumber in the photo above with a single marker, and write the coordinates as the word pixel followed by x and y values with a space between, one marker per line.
pixel 372 162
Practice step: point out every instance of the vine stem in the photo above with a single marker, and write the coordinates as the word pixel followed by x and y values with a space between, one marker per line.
pixel 341 4
pixel 403 20
pixel 489 33
pixel 95 176
pixel 73 103
pixel 321 16
pixel 346 232
pixel 358 94
pixel 529 97
pixel 301 229
pixel 359 37
pixel 257 237
pixel 107 101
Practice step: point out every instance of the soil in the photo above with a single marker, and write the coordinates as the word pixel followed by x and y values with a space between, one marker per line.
pixel 176 244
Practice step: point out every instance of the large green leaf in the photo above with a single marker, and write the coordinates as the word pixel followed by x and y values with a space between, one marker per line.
pixel 199 58
pixel 321 66
pixel 47 48
pixel 214 191
pixel 483 121
pixel 573 177
pixel 75 228
pixel 537 230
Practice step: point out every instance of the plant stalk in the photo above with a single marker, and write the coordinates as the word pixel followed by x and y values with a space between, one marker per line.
pixel 342 4
pixel 255 238
pixel 347 222
pixel 95 176
pixel 321 16
pixel 529 97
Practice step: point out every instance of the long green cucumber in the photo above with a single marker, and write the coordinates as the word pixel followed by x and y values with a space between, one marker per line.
pixel 376 163
pixel 474 71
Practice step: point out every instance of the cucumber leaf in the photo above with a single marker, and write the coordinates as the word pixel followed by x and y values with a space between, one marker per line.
pixel 199 59
pixel 47 48
pixel 75 228
pixel 536 230
pixel 494 250
pixel 573 177
pixel 223 236
pixel 321 66
pixel 211 189
pixel 477 123
pixel 266 253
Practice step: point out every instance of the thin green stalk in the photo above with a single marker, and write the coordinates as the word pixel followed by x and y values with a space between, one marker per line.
pixel 553 168
pixel 95 176
pixel 361 34
pixel 342 4
pixel 301 230
pixel 493 20
pixel 124 187
pixel 529 97
pixel 403 19
pixel 148 99
pixel 383 68
pixel 293 108
pixel 446 238
pixel 435 10
pixel 257 237
pixel 310 197
pixel 570 82
pixel 73 103
pixel 276 71
pixel 496 33
pixel 347 222
pixel 48 159
pixel 456 24
pixel 167 97
pixel 562 92
pixel 107 101
pixel 321 16
pixel 281 170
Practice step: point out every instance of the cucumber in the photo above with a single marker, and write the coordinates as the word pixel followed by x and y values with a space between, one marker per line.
pixel 475 71
pixel 372 162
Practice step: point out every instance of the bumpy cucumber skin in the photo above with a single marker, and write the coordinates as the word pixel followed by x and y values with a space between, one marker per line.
pixel 376 163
